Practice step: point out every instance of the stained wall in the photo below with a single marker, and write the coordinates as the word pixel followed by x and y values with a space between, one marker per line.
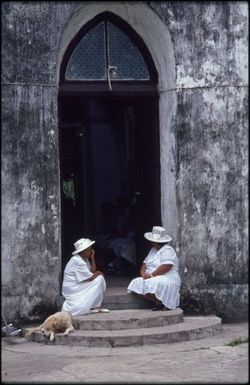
pixel 204 151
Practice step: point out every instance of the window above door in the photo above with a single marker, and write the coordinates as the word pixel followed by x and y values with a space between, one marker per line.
pixel 107 50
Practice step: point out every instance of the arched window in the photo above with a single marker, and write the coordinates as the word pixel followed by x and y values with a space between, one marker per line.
pixel 107 50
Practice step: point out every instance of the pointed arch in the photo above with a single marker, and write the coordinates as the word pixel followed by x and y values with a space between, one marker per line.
pixel 103 41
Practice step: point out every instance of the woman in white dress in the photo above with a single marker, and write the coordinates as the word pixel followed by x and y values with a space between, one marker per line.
pixel 83 286
pixel 160 280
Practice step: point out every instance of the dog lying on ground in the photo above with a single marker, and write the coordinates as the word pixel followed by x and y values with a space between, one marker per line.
pixel 56 323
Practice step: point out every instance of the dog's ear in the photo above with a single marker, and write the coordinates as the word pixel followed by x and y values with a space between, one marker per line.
pixel 51 325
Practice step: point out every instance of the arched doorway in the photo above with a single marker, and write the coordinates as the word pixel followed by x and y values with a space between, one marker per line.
pixel 109 140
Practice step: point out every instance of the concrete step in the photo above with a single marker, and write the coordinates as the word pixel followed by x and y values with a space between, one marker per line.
pixel 191 328
pixel 127 319
pixel 120 299
pixel 117 298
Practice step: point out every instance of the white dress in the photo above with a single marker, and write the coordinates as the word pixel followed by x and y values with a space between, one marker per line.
pixel 81 295
pixel 166 287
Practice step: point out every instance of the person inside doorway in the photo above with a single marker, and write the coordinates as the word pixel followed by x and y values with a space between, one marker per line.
pixel 108 213
pixel 122 241
pixel 69 189
pixel 159 279
pixel 83 285
pixel 117 240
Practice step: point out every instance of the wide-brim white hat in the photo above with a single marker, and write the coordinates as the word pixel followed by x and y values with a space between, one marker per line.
pixel 82 244
pixel 158 235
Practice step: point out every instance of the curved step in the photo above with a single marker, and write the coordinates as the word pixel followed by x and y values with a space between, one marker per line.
pixel 127 319
pixel 191 328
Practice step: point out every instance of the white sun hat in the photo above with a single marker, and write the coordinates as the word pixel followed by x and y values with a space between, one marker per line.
pixel 158 235
pixel 82 244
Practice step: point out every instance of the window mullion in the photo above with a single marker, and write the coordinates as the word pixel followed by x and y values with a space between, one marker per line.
pixel 106 42
pixel 108 66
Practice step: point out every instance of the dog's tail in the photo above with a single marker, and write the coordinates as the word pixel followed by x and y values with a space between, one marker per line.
pixel 32 330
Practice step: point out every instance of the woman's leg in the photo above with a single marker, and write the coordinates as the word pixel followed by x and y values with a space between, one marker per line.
pixel 158 305
pixel 149 296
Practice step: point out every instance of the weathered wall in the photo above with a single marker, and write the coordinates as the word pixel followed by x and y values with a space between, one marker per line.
pixel 210 43
pixel 30 162
pixel 211 53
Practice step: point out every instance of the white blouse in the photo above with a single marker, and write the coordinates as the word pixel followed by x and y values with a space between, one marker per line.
pixel 77 270
pixel 165 256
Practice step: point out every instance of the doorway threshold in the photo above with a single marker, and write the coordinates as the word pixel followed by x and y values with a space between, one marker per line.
pixel 118 281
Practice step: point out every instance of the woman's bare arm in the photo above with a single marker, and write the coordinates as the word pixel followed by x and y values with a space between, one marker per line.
pixel 93 267
pixel 95 274
pixel 92 262
pixel 143 270
pixel 159 271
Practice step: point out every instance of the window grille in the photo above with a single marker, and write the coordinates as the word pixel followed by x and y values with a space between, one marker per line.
pixel 105 52
pixel 88 60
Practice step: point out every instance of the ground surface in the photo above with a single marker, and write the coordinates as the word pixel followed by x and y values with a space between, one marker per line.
pixel 204 361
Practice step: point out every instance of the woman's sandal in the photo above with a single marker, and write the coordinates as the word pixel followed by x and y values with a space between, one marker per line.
pixel 94 311
pixel 99 310
pixel 103 310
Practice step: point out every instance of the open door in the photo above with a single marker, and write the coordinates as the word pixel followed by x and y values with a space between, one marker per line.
pixel 109 148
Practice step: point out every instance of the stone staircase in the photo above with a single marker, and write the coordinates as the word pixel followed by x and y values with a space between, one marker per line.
pixel 131 322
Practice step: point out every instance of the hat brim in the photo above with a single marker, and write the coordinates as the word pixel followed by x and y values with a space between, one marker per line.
pixel 83 248
pixel 150 238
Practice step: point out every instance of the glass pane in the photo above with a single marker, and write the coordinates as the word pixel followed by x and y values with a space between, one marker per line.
pixel 87 61
pixel 124 55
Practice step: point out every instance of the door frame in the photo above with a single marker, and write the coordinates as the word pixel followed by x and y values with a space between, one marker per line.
pixel 161 48
pixel 134 93
pixel 142 19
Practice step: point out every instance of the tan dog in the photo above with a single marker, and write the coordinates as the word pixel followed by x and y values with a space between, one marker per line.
pixel 56 323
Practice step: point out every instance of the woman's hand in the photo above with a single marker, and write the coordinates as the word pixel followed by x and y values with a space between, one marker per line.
pixel 147 276
pixel 92 255
pixel 95 274
pixel 98 272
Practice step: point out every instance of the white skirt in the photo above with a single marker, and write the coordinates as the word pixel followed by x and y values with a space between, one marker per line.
pixel 166 289
pixel 83 296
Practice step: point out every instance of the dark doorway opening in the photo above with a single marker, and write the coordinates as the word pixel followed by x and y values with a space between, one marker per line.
pixel 109 154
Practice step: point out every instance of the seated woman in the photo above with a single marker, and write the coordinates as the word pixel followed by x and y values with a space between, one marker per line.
pixel 160 281
pixel 83 286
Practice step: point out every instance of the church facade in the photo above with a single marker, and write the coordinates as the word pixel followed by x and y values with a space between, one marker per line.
pixel 174 78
